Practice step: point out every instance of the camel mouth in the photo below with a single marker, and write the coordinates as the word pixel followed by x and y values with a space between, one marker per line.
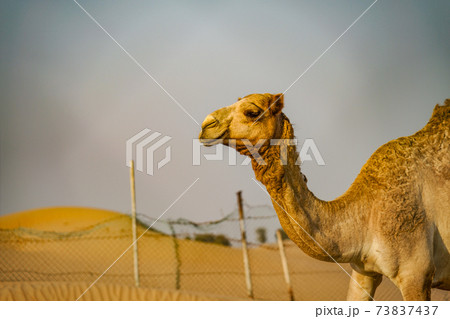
pixel 206 141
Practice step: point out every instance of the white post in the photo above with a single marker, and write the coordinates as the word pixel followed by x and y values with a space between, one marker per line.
pixel 133 225
pixel 285 265
pixel 248 278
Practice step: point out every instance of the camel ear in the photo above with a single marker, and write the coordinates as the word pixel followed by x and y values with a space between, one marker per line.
pixel 276 103
pixel 239 98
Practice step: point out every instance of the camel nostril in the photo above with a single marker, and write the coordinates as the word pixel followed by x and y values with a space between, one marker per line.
pixel 209 121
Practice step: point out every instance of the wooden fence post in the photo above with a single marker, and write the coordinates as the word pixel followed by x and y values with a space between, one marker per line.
pixel 248 278
pixel 176 247
pixel 133 225
pixel 285 265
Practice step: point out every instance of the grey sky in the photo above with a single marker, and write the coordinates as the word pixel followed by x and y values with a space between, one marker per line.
pixel 70 98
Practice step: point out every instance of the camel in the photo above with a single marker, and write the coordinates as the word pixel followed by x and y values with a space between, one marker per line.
pixel 393 220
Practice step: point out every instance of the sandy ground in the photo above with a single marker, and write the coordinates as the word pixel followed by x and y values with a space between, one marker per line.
pixel 45 291
pixel 55 253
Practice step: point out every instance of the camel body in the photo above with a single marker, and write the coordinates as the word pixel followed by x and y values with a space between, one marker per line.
pixel 405 187
pixel 393 220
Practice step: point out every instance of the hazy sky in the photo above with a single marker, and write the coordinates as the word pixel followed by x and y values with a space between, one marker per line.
pixel 70 97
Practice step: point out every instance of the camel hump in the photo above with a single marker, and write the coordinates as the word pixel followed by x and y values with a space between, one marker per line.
pixel 440 116
pixel 447 102
pixel 442 112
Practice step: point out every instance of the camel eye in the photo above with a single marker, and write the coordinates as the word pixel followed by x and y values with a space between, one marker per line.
pixel 252 114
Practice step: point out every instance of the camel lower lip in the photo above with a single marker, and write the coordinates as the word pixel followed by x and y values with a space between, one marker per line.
pixel 212 141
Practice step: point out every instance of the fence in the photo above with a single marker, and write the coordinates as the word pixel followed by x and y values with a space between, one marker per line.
pixel 204 258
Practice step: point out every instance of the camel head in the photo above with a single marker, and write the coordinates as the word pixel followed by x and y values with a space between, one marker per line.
pixel 253 118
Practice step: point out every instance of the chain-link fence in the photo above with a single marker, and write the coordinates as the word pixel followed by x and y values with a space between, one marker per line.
pixel 203 258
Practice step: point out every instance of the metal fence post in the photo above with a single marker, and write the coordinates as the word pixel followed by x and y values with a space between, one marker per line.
pixel 248 278
pixel 133 225
pixel 287 278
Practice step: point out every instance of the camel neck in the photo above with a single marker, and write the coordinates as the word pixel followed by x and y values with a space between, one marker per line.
pixel 313 224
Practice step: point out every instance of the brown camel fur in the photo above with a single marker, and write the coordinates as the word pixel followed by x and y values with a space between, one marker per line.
pixel 392 221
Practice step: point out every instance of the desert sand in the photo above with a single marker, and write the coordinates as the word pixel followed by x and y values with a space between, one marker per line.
pixel 56 253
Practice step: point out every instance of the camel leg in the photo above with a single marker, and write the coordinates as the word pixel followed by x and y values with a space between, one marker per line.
pixel 415 287
pixel 363 287
pixel 416 270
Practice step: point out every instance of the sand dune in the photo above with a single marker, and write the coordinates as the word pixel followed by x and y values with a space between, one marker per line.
pixel 58 219
pixel 55 253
